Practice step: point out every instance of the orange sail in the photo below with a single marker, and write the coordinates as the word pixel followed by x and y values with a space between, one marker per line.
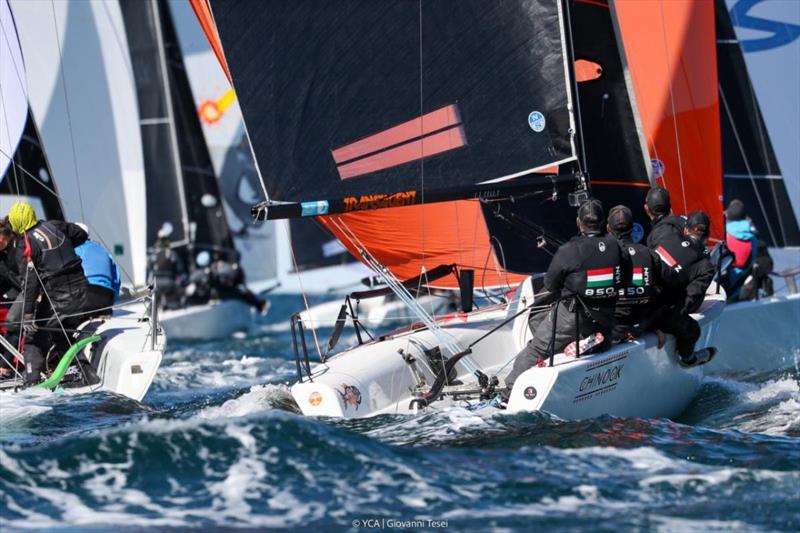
pixel 406 239
pixel 671 52
pixel 203 12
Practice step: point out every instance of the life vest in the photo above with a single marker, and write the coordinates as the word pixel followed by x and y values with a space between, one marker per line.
pixel 742 250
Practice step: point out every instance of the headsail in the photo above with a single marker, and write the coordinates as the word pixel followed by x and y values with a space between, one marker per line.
pixel 384 108
pixel 81 94
pixel 752 171
pixel 13 88
pixel 669 46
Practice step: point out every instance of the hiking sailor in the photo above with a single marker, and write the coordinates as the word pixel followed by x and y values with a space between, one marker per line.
pixel 101 274
pixel 165 268
pixel 638 301
pixel 50 273
pixel 10 292
pixel 752 263
pixel 687 255
pixel 658 207
pixel 586 274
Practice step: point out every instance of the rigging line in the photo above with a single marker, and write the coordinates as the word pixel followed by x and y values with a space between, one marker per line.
pixel 672 104
pixel 422 142
pixel 746 162
pixel 302 289
pixel 66 104
pixel 764 138
pixel 93 228
pixel 22 84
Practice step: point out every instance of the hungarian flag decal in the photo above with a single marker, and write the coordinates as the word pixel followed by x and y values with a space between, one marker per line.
pixel 638 276
pixel 600 277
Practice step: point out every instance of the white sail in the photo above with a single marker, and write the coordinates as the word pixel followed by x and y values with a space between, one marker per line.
pixel 82 95
pixel 769 34
pixel 13 89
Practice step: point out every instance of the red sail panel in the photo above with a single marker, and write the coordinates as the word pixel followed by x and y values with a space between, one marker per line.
pixel 203 13
pixel 670 46
pixel 405 239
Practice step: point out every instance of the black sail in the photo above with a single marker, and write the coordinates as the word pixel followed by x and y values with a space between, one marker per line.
pixel 203 200
pixel 29 176
pixel 615 158
pixel 353 99
pixel 315 247
pixel 750 168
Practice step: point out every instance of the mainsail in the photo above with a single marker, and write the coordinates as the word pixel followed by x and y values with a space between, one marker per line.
pixel 383 106
pixel 385 109
pixel 752 171
pixel 13 88
pixel 181 183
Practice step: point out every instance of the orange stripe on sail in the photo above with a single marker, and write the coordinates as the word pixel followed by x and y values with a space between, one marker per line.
pixel 621 183
pixel 405 153
pixel 444 117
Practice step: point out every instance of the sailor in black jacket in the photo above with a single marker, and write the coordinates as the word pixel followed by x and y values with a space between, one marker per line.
pixel 658 207
pixel 586 273
pixel 53 284
pixel 688 257
pixel 638 300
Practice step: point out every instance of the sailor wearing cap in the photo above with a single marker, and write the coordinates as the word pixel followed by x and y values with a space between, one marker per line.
pixel 586 274
pixel 639 299
pixel 663 223
pixel 687 256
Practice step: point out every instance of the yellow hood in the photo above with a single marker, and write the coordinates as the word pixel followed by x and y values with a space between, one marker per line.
pixel 22 217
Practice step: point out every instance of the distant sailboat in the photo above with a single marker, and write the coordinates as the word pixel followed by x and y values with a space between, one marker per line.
pixel 182 192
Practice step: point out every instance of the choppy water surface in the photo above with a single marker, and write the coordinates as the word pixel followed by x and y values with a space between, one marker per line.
pixel 212 446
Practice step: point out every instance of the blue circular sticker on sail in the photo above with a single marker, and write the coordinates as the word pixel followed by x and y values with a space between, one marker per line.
pixel 657 167
pixel 637 233
pixel 536 121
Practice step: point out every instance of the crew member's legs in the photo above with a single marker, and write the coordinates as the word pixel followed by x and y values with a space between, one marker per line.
pixel 539 347
pixel 99 301
pixel 684 327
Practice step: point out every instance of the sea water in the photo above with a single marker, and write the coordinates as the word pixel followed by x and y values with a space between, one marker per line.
pixel 215 444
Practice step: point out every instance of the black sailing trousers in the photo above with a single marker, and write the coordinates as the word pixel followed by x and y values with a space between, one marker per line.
pixel 542 326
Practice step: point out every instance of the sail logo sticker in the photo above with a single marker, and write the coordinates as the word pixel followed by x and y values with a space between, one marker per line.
pixel 379 201
pixel 536 121
pixel 638 232
pixel 657 168
pixel 350 395
pixel 310 209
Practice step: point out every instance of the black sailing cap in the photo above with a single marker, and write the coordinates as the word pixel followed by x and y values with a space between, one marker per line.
pixel 658 201
pixel 735 210
pixel 591 214
pixel 698 221
pixel 620 219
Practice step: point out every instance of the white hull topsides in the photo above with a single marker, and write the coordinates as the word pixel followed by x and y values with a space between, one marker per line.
pixel 631 379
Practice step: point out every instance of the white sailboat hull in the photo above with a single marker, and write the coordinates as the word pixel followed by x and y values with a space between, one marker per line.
pixel 127 363
pixel 381 311
pixel 125 360
pixel 760 335
pixel 631 379
pixel 214 320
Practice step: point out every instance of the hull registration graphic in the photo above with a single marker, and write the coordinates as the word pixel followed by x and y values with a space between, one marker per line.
pixel 602 377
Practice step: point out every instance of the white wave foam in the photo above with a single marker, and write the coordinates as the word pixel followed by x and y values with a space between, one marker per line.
pixel 258 398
